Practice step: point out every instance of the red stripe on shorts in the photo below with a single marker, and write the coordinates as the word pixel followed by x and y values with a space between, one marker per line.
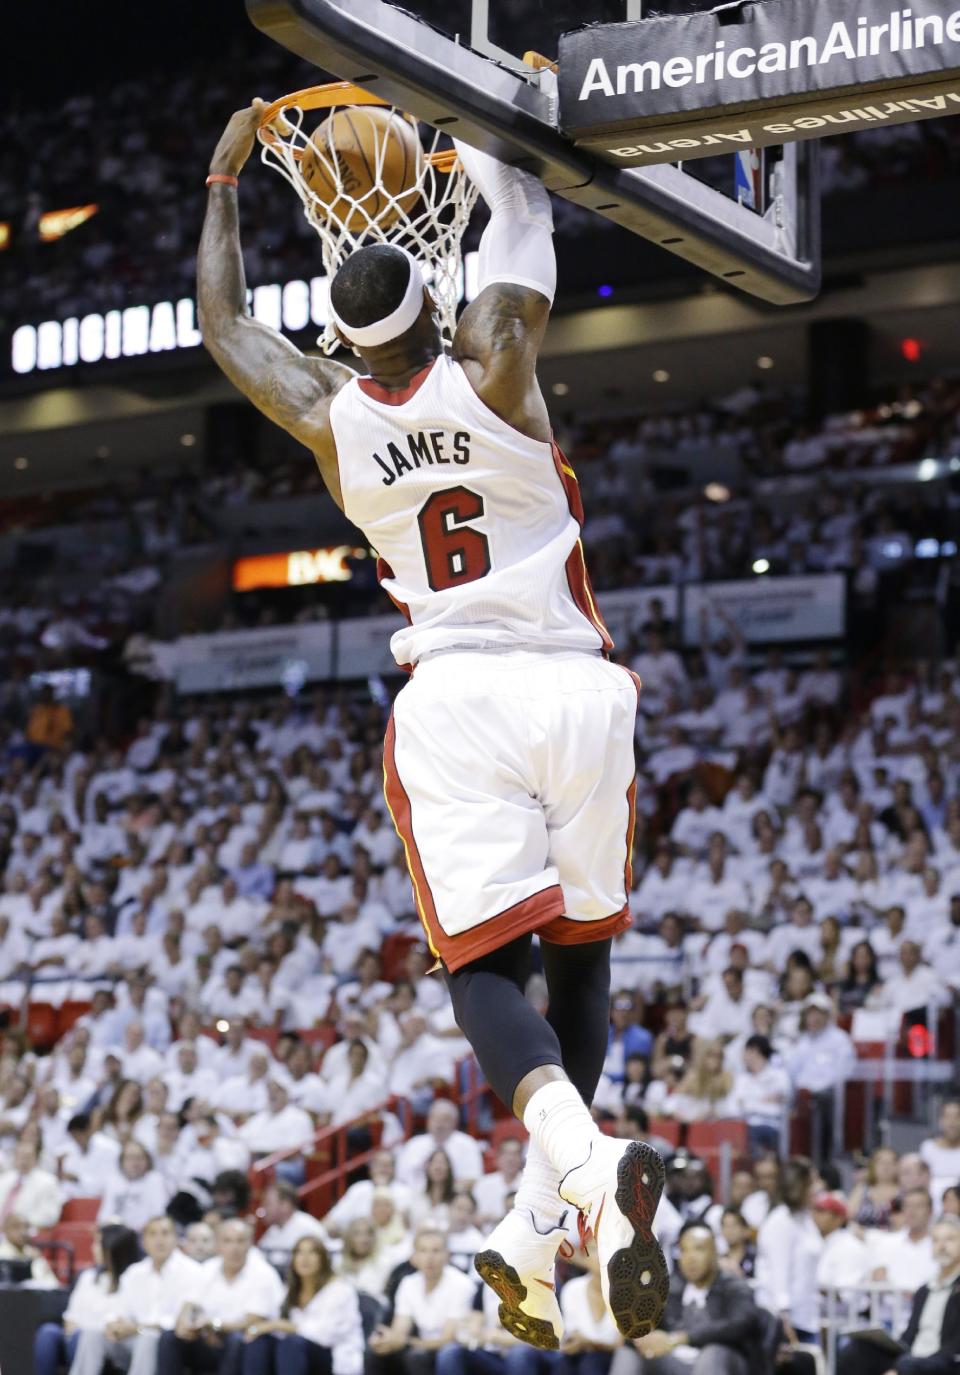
pixel 566 931
pixel 398 803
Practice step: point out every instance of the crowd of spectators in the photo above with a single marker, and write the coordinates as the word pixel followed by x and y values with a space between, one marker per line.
pixel 870 532
pixel 117 147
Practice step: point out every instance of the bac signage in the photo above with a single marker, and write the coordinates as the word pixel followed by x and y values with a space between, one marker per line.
pixel 297 568
pixel 756 73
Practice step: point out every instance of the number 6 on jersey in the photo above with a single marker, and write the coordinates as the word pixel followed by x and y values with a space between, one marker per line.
pixel 453 551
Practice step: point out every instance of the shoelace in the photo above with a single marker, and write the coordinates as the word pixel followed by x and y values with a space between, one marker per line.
pixel 584 1229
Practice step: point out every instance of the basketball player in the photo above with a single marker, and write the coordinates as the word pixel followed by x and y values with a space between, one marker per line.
pixel 509 766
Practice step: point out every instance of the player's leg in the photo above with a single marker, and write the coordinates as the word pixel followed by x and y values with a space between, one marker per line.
pixel 588 788
pixel 512 1041
pixel 578 984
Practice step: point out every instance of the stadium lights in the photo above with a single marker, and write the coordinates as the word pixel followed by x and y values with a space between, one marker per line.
pixel 715 491
pixel 188 440
pixel 761 566
pixel 765 361
pixel 927 469
pixel 661 375
pixel 559 388
pixel 20 463
pixel 168 325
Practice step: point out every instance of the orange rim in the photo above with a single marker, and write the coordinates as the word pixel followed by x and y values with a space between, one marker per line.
pixel 325 98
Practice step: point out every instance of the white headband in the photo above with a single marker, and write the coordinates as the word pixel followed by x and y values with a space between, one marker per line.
pixel 394 324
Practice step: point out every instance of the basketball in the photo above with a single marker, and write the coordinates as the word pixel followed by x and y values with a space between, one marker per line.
pixel 367 154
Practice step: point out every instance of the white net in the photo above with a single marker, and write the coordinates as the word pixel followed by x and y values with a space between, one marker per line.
pixel 426 213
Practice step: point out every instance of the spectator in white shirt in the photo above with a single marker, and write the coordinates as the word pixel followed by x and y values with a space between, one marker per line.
pixel 821 685
pixel 492 1190
pixel 148 1298
pixel 905 1258
pixel 357 1201
pixel 199 1242
pixel 727 1010
pixel 287 1223
pixel 714 893
pixel 188 1080
pixel 357 1091
pixel 32 1193
pixel 761 1096
pixel 88 1159
pixel 821 1060
pixel 464 1238
pixel 789 1245
pixel 319 1321
pixel 942 1153
pixel 696 823
pixel 211 1153
pixel 245 1094
pixel 917 986
pixel 463 1151
pixel 660 671
pixel 661 888
pixel 800 933
pixel 234 1292
pixel 136 1192
pixel 281 1125
pixel 420 1063
pixel 140 1061
pixel 845 1259
pixel 434 1301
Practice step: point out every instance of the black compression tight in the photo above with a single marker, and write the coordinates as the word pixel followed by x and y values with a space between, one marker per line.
pixel 508 1035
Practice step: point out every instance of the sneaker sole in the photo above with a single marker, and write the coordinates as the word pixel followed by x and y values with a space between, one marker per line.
pixel 638 1275
pixel 511 1290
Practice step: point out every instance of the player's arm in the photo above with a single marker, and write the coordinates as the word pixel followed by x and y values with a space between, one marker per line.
pixel 500 332
pixel 293 390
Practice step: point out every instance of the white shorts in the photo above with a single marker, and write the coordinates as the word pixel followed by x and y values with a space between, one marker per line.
pixel 511 781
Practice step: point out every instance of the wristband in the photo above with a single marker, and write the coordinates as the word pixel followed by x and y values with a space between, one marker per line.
pixel 223 177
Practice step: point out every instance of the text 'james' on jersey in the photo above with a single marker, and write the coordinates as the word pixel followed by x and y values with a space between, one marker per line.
pixel 425 447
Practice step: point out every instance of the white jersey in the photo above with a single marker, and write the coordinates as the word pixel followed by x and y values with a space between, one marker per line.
pixel 477 526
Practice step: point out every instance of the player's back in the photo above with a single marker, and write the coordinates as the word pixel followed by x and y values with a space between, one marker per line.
pixel 477 525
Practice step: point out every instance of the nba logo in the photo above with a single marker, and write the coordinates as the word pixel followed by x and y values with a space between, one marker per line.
pixel 748 180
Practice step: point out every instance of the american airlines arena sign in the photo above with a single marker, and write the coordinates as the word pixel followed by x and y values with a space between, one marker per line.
pixel 754 73
pixel 144 329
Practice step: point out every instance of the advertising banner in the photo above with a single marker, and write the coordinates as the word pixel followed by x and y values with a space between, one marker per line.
pixel 756 73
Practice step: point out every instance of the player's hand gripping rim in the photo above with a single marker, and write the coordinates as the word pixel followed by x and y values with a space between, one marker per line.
pixel 237 140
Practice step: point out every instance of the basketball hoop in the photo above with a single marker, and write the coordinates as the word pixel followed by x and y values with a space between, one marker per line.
pixel 428 219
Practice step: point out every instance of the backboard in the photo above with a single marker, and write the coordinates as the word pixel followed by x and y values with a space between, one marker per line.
pixel 458 65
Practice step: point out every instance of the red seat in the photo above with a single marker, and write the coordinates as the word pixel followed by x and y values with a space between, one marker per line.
pixel 79 1236
pixel 68 1013
pixel 320 1038
pixel 707 1139
pixel 80 1210
pixel 42 1028
pixel 269 1035
pixel 507 1129
pixel 393 953
pixel 666 1128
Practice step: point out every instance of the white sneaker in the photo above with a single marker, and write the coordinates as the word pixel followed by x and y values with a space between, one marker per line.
pixel 518 1264
pixel 617 1189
